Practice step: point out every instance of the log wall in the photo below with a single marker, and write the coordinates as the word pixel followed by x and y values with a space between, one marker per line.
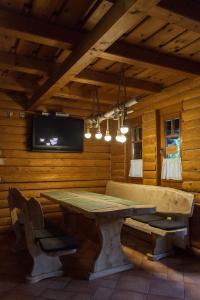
pixel 149 148
pixel 35 172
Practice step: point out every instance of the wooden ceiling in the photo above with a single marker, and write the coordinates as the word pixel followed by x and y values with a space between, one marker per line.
pixel 53 54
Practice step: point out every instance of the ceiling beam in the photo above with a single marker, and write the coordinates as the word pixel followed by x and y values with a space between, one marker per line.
pixel 32 29
pixel 119 51
pixel 76 104
pixel 37 31
pixel 182 13
pixel 78 112
pixel 85 94
pixel 29 65
pixel 112 80
pixel 17 84
pixel 132 54
pixel 113 25
pixel 37 66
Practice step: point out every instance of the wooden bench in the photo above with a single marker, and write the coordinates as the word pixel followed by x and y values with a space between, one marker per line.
pixel 169 226
pixel 44 246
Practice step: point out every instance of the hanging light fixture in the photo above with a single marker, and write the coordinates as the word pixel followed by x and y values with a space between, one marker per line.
pixel 121 138
pixel 124 128
pixel 107 137
pixel 88 134
pixel 98 134
pixel 119 112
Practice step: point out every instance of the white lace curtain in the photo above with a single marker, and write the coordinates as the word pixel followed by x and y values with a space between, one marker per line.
pixel 136 168
pixel 172 168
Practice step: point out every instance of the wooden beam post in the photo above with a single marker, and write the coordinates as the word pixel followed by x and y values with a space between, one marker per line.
pixel 132 54
pixel 108 79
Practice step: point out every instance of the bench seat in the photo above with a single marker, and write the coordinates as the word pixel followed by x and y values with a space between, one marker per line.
pixel 162 239
pixel 167 224
pixel 145 227
pixel 148 218
pixel 169 202
pixel 62 243
pixel 42 233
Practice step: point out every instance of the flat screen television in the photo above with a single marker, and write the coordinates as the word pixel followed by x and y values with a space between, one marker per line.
pixel 57 133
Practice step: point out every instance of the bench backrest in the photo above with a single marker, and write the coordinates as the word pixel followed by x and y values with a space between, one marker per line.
pixel 166 200
pixel 18 201
pixel 15 202
pixel 36 214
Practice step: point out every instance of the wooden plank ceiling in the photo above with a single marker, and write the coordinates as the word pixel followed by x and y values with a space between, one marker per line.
pixel 54 54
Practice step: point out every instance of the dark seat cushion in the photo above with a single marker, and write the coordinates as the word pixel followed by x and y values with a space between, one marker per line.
pixel 147 218
pixel 42 233
pixel 58 243
pixel 167 224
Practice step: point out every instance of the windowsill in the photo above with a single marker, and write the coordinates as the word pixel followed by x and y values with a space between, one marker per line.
pixel 172 180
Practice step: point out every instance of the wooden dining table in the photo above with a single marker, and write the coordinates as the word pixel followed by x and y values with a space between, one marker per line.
pixel 109 214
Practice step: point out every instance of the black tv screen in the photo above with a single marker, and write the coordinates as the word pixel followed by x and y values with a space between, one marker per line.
pixel 57 133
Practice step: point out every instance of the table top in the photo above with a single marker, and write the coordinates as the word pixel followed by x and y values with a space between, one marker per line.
pixel 93 204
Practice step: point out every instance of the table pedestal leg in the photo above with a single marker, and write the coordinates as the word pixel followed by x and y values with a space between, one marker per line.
pixel 111 258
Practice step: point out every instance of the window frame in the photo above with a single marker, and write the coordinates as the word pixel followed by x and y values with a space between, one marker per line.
pixel 163 118
pixel 136 122
pixel 136 141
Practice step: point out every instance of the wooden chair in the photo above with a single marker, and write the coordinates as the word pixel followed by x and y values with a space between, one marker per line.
pixel 44 247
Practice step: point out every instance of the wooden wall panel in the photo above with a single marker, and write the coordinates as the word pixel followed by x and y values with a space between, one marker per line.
pixel 36 172
pixel 117 156
pixel 191 145
pixel 118 161
pixel 149 147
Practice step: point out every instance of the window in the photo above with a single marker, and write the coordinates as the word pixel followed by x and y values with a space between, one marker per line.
pixel 171 162
pixel 172 138
pixel 137 143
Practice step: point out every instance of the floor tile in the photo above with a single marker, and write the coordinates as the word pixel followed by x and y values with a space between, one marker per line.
pixel 103 293
pixel 167 288
pixel 57 295
pixel 83 286
pixel 127 295
pixel 134 283
pixel 155 297
pixel 192 291
pixel 192 277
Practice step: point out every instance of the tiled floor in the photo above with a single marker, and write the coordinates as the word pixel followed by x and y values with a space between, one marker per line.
pixel 174 278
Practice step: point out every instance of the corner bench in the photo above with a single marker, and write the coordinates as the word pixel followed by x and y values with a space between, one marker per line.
pixel 173 209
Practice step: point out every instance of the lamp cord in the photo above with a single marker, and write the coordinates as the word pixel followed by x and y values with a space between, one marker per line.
pixel 122 84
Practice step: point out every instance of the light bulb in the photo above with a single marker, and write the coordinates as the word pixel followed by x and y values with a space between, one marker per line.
pixel 124 129
pixel 88 135
pixel 122 138
pixel 118 136
pixel 107 137
pixel 98 134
